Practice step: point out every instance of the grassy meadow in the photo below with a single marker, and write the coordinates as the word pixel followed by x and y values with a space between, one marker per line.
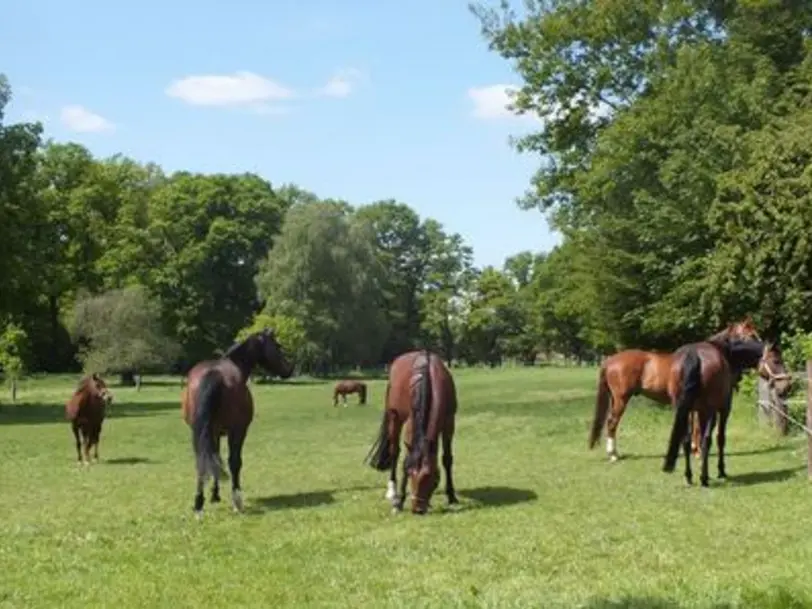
pixel 543 522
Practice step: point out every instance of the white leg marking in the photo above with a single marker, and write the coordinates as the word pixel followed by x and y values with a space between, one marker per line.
pixel 236 500
pixel 390 490
pixel 611 449
pixel 199 515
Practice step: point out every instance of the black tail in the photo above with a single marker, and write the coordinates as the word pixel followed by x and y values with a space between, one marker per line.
pixel 209 392
pixel 421 400
pixel 602 402
pixel 691 383
pixel 380 453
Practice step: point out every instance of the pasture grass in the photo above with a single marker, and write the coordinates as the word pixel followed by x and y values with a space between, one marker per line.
pixel 543 522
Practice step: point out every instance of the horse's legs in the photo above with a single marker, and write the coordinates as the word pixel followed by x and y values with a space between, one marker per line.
pixel 394 447
pixel 706 424
pixel 400 498
pixel 96 436
pixel 87 438
pixel 686 447
pixel 448 461
pixel 345 400
pixel 215 485
pixel 236 438
pixel 697 433
pixel 721 435
pixel 335 399
pixel 75 429
pixel 616 411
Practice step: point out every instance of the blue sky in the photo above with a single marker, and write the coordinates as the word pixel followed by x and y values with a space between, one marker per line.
pixel 358 99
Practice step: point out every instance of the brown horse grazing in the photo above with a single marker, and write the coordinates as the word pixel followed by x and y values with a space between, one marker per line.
pixel 421 394
pixel 216 402
pixel 701 380
pixel 637 372
pixel 86 410
pixel 343 388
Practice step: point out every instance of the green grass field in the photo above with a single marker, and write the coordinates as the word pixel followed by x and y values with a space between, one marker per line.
pixel 543 522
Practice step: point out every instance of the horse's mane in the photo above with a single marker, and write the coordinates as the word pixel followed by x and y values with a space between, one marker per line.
pixel 740 352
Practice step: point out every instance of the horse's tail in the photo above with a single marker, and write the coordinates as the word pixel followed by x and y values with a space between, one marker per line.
pixel 380 454
pixel 209 392
pixel 602 401
pixel 421 401
pixel 362 391
pixel 690 385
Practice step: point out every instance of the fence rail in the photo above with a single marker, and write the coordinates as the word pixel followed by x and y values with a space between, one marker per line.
pixel 776 410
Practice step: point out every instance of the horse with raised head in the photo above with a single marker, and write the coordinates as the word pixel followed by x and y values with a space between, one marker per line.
pixel 420 395
pixel 86 410
pixel 344 388
pixel 216 402
pixel 637 372
pixel 701 379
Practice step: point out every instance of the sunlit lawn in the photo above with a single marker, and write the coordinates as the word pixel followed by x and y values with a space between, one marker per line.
pixel 543 522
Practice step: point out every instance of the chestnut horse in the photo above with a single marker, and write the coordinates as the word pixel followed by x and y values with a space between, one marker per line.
pixel 421 395
pixel 343 388
pixel 701 380
pixel 216 402
pixel 635 372
pixel 86 410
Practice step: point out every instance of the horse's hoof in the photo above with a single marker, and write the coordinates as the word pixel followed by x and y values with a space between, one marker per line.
pixel 613 458
pixel 198 515
pixel 236 500
pixel 215 499
pixel 396 510
pixel 390 491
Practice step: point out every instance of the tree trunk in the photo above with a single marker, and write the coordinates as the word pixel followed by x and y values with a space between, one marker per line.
pixel 13 390
pixel 128 378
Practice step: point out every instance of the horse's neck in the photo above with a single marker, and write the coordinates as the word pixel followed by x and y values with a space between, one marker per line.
pixel 245 364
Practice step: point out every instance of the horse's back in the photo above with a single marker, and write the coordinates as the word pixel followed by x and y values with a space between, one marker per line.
pixel 637 371
pixel 239 410
pixel 402 373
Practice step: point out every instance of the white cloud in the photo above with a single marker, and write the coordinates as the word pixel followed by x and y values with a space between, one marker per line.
pixel 240 88
pixel 341 83
pixel 491 102
pixel 80 119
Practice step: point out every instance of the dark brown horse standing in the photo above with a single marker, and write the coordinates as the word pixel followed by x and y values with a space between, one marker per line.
pixel 637 372
pixel 701 379
pixel 216 402
pixel 421 395
pixel 86 410
pixel 344 388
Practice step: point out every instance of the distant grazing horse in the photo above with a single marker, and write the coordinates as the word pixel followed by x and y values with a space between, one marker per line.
pixel 216 402
pixel 343 388
pixel 701 380
pixel 86 410
pixel 634 372
pixel 421 395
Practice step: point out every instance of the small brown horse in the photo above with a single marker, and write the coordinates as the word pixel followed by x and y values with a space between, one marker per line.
pixel 344 388
pixel 216 402
pixel 701 379
pixel 86 410
pixel 421 395
pixel 635 372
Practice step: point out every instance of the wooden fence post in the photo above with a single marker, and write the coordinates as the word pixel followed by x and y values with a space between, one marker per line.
pixel 809 417
pixel 764 398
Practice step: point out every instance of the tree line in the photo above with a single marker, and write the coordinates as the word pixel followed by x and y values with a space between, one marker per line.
pixel 675 160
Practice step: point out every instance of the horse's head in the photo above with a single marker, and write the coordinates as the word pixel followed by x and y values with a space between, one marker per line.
pixel 424 481
pixel 101 390
pixel 268 353
pixel 771 369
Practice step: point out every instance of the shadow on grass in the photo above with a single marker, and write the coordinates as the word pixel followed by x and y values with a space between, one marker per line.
pixel 33 414
pixel 755 599
pixel 495 496
pixel 128 461
pixel 753 478
pixel 308 499
pixel 728 453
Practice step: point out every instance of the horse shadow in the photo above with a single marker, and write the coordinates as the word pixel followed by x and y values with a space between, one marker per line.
pixel 484 497
pixel 756 599
pixel 129 461
pixel 728 453
pixel 766 477
pixel 308 499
